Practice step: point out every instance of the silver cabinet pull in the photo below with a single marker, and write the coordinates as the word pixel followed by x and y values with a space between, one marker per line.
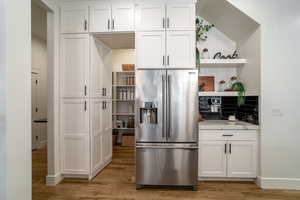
pixel 168 22
pixel 163 22
pixel 163 60
pixel 85 90
pixel 227 135
pixel 113 24
pixel 230 148
pixel 225 149
pixel 102 105
pixel 108 24
pixel 85 24
pixel 85 106
pixel 168 60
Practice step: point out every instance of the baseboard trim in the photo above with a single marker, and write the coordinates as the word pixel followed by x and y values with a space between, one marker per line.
pixel 279 183
pixel 226 179
pixel 53 180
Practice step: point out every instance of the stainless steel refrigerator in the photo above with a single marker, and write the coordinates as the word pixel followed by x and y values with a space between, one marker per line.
pixel 166 128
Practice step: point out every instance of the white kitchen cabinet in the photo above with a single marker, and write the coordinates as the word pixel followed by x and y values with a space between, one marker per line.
pixel 74 65
pixel 74 18
pixel 74 129
pixel 180 49
pixel 150 17
pixel 122 17
pixel 227 154
pixel 107 72
pixel 212 159
pixel 111 18
pixel 242 159
pixel 181 17
pixel 159 17
pixel 107 128
pixel 150 49
pixel 100 17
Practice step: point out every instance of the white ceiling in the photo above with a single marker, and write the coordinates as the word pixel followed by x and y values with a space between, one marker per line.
pixel 227 18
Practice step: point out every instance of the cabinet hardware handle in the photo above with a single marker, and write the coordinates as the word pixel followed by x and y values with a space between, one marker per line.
pixel 102 105
pixel 225 149
pixel 227 135
pixel 163 22
pixel 163 60
pixel 108 24
pixel 85 90
pixel 168 60
pixel 230 148
pixel 113 24
pixel 85 106
pixel 105 104
pixel 168 22
pixel 85 25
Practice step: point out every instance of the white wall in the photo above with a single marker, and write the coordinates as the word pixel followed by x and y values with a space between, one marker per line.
pixel 122 56
pixel 250 74
pixel 15 137
pixel 280 111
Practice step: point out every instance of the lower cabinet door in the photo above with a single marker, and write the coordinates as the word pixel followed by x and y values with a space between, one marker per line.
pixel 74 126
pixel 107 128
pixel 242 156
pixel 212 159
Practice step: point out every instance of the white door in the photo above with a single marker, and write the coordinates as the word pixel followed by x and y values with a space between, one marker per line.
pixel 107 72
pixel 150 17
pixel 242 159
pixel 181 48
pixel 107 126
pixel 74 65
pixel 123 17
pixel 212 159
pixel 34 110
pixel 97 68
pixel 181 17
pixel 97 132
pixel 100 17
pixel 74 129
pixel 74 19
pixel 150 49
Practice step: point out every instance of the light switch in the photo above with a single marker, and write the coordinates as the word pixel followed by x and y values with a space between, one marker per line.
pixel 276 112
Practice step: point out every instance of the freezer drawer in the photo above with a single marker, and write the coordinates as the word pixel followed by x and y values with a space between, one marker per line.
pixel 166 166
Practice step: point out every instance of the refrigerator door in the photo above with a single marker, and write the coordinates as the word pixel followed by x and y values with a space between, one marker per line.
pixel 182 106
pixel 166 165
pixel 150 106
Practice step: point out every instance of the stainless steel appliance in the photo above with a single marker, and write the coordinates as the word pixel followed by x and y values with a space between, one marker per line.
pixel 166 128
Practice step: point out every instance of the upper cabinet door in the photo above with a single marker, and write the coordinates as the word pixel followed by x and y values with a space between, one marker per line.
pixel 150 17
pixel 122 17
pixel 74 19
pixel 100 17
pixel 150 49
pixel 242 159
pixel 74 65
pixel 180 17
pixel 181 47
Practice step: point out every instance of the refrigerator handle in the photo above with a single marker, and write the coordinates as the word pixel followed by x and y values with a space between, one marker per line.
pixel 163 105
pixel 169 107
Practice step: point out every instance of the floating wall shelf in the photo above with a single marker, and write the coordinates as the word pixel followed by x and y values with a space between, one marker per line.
pixel 222 62
pixel 217 94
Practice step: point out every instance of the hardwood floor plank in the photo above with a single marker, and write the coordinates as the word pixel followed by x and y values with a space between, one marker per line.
pixel 117 182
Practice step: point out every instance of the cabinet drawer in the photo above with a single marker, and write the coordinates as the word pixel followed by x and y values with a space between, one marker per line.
pixel 244 135
pixel 209 135
pixel 222 135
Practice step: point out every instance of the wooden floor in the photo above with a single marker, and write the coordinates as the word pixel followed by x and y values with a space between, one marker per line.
pixel 117 182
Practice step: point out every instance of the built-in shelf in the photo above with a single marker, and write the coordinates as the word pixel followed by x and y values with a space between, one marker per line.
pixel 123 85
pixel 124 128
pixel 123 114
pixel 222 94
pixel 119 100
pixel 222 62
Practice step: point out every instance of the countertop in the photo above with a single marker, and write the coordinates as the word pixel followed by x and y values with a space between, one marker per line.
pixel 224 125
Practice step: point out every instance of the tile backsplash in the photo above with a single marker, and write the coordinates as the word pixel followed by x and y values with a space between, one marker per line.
pixel 229 106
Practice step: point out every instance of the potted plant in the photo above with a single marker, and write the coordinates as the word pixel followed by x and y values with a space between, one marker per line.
pixel 240 88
